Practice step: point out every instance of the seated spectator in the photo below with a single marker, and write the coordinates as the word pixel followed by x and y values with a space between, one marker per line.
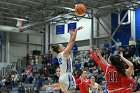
pixel 21 88
pixel 128 53
pixel 90 65
pixel 27 90
pixel 4 89
pixel 136 67
pixel 138 46
pixel 117 44
pixel 138 86
pixel 132 44
pixel 106 45
pixel 35 90
pixel 0 83
pixel 39 82
pixel 116 52
pixel 107 53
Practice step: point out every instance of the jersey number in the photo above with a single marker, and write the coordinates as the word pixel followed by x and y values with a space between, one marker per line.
pixel 112 76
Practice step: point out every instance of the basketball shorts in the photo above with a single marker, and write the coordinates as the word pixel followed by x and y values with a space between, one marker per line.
pixel 67 82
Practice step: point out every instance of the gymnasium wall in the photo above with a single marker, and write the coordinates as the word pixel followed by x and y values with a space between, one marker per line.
pixel 137 22
pixel 124 31
pixel 18 45
pixel 106 21
pixel 83 34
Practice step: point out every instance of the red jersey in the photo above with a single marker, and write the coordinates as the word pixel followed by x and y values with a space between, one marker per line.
pixel 83 85
pixel 112 76
pixel 30 68
pixel 114 79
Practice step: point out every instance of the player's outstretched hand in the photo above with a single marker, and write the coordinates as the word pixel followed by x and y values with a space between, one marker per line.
pixel 121 54
pixel 98 52
pixel 79 28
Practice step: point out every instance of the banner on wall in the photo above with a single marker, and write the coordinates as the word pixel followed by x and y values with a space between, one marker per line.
pixel 60 29
pixel 71 26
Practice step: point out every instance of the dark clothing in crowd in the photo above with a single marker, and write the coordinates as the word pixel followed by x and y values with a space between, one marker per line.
pixel 21 89
pixel 137 86
pixel 138 47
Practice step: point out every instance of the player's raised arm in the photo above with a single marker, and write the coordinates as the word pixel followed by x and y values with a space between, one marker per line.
pixel 130 68
pixel 98 51
pixel 70 44
pixel 102 64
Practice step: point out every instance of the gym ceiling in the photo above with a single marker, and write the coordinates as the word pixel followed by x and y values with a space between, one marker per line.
pixel 38 12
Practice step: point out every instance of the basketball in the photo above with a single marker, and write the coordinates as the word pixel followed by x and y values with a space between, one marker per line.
pixel 80 9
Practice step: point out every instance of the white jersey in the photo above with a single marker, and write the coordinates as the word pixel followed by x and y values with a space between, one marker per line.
pixel 65 64
pixel 94 88
pixel 66 79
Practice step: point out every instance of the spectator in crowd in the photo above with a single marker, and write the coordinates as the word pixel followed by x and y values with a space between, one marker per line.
pixel 138 86
pixel 116 52
pixel 117 44
pixel 138 46
pixel 21 88
pixel 90 65
pixel 86 65
pixel 74 50
pixel 106 45
pixel 128 52
pixel 35 90
pixel 132 44
pixel 95 71
pixel 76 74
pixel 136 67
pixel 82 61
pixel 77 66
pixel 45 72
pixel 39 82
pixel 27 90
pixel 4 89
pixel 107 53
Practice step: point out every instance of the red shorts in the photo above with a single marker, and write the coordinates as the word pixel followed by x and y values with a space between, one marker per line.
pixel 121 90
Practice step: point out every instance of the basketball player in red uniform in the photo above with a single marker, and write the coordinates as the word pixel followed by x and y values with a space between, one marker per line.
pixel 115 73
pixel 83 82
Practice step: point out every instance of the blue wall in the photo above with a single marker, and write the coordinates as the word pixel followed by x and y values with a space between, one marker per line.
pixel 137 19
pixel 124 32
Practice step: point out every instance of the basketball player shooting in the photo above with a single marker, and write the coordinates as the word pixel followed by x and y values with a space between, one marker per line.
pixel 66 79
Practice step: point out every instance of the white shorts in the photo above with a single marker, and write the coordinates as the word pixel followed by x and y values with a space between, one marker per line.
pixel 67 82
